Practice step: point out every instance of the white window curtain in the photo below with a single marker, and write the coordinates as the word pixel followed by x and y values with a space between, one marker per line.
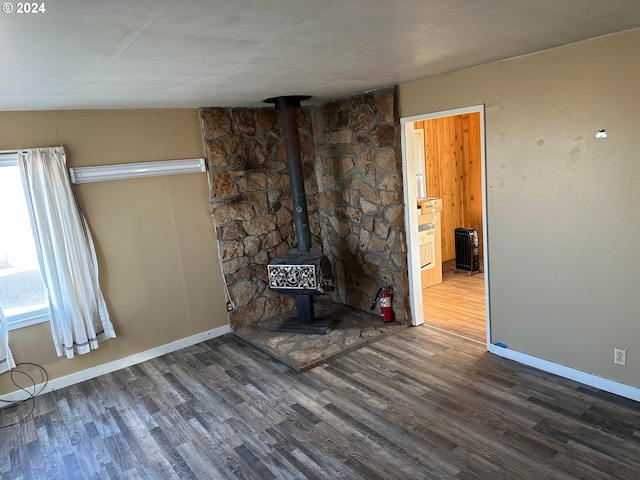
pixel 6 360
pixel 79 316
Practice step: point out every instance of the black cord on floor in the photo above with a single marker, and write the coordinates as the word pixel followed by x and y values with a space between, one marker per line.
pixel 29 390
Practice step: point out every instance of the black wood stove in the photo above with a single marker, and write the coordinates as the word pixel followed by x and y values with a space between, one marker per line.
pixel 303 272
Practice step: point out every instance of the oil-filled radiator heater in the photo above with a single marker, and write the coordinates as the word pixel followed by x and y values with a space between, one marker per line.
pixel 466 244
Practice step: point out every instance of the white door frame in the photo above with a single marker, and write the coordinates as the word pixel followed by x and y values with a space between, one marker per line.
pixel 411 217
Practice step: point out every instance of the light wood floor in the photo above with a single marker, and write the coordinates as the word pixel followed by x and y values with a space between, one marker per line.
pixel 457 304
pixel 419 404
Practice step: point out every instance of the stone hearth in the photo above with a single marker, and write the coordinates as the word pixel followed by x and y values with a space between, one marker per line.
pixel 354 329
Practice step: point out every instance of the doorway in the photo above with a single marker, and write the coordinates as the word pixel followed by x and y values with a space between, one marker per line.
pixel 443 156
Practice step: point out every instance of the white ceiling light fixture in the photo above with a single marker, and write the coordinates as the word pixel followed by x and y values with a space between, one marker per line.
pixel 136 170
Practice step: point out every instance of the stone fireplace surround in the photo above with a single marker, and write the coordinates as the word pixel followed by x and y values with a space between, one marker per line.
pixel 353 179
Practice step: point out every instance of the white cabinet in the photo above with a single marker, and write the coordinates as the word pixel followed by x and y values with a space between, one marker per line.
pixel 430 241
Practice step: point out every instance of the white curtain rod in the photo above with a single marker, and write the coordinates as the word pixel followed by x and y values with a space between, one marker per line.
pixel 21 150
pixel 11 151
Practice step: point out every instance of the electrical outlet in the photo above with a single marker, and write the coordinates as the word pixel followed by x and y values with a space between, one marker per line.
pixel 619 356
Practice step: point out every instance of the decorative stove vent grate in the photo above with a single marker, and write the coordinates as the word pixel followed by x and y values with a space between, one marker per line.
pixel 295 277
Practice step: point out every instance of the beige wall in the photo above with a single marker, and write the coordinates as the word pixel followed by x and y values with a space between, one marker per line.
pixel 156 245
pixel 563 207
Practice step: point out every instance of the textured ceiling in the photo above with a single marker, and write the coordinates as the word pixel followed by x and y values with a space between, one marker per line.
pixel 83 54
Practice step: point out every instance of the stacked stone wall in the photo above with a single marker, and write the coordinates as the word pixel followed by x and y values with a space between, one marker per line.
pixel 361 203
pixel 251 202
pixel 353 180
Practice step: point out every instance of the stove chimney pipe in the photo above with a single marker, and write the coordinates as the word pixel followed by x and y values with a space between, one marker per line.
pixel 288 105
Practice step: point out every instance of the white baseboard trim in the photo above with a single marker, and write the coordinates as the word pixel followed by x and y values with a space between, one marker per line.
pixel 602 383
pixel 93 372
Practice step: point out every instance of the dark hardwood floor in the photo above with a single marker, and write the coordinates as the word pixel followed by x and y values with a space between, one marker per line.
pixel 457 304
pixel 419 404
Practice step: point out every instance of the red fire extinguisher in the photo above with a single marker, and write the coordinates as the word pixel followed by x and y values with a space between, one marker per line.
pixel 385 294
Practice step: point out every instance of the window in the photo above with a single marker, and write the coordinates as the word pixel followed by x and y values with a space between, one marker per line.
pixel 23 295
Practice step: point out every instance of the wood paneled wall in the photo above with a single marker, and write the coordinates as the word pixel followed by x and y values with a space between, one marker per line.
pixel 453 173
